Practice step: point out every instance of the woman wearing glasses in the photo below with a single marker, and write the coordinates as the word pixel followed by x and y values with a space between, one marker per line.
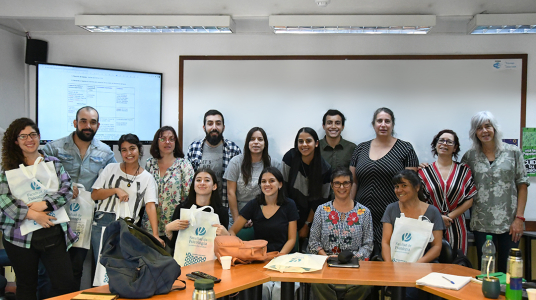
pixel 48 244
pixel 449 186
pixel 341 224
pixel 173 175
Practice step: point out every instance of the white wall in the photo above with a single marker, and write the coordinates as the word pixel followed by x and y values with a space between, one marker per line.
pixel 12 77
pixel 160 53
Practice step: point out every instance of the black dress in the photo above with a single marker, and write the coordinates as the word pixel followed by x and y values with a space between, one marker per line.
pixel 375 189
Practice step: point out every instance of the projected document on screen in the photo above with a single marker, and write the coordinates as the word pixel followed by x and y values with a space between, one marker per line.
pixel 127 102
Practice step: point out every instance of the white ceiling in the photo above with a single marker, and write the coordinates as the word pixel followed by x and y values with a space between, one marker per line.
pixel 57 16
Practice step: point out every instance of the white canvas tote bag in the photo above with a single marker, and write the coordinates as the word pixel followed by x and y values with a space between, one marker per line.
pixel 195 244
pixel 81 214
pixel 410 238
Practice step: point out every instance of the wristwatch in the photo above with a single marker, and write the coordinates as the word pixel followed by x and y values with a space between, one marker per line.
pixel 309 223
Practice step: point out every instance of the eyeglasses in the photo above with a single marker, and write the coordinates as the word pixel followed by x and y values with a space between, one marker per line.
pixel 32 135
pixel 443 141
pixel 337 184
pixel 163 140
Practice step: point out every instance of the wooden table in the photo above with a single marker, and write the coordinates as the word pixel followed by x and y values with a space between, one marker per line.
pixel 239 278
pixel 471 291
pixel 242 277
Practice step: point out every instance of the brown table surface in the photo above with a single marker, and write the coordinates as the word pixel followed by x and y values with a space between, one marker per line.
pixel 243 277
pixel 369 273
pixel 469 292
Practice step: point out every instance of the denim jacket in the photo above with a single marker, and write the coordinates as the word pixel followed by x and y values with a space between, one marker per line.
pixel 86 171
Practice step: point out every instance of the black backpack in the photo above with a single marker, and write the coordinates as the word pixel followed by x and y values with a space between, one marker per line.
pixel 462 260
pixel 136 263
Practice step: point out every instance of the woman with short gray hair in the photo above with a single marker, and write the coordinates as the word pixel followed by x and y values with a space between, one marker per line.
pixel 501 180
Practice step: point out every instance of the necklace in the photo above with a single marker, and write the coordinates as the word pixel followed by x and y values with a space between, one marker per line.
pixel 134 177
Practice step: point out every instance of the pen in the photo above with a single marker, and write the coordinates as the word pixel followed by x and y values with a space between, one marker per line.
pixel 448 279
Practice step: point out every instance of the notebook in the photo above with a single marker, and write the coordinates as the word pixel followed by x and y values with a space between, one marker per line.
pixel 452 282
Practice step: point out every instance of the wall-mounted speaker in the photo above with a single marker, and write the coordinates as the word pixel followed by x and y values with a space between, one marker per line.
pixel 36 51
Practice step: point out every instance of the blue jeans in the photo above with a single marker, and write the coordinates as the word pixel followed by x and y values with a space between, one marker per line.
pixel 102 219
pixel 503 244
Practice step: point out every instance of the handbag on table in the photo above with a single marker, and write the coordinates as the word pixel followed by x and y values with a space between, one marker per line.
pixel 243 252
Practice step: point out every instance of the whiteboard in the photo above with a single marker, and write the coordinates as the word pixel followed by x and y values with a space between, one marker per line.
pixel 282 94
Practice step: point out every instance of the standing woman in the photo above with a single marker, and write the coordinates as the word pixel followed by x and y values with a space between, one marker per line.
pixel 122 183
pixel 242 173
pixel 49 244
pixel 449 186
pixel 501 180
pixel 307 177
pixel 374 163
pixel 172 173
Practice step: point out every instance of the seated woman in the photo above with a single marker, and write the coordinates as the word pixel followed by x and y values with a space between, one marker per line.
pixel 410 203
pixel 341 224
pixel 275 220
pixel 203 192
pixel 121 183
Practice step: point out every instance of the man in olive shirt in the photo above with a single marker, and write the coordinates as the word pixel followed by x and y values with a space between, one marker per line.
pixel 333 148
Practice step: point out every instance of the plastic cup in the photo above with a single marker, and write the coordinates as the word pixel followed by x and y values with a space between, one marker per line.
pixel 532 294
pixel 226 262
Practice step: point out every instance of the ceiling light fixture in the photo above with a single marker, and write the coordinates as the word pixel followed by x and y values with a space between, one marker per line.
pixel 155 23
pixel 502 24
pixel 352 24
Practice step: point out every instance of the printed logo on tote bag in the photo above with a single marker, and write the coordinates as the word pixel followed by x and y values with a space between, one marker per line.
pixel 406 237
pixel 74 207
pixel 35 186
pixel 200 231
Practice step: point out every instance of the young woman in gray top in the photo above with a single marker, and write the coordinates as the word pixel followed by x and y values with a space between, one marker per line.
pixel 244 170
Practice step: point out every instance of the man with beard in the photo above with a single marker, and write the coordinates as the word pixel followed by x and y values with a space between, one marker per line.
pixel 83 157
pixel 213 151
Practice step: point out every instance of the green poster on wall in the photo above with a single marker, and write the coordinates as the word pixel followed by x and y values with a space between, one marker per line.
pixel 529 150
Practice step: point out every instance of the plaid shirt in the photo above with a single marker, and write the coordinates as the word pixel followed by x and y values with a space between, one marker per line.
pixel 230 150
pixel 13 211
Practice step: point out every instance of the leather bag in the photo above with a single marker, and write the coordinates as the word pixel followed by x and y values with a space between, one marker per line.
pixel 136 263
pixel 243 252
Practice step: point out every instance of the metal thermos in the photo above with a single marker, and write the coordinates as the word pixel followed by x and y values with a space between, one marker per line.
pixel 204 290
pixel 514 275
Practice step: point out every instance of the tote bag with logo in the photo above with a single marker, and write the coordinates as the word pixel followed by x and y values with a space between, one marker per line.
pixel 31 184
pixel 195 244
pixel 81 214
pixel 410 238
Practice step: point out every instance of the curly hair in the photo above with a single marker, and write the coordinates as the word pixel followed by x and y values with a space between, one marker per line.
pixel 12 155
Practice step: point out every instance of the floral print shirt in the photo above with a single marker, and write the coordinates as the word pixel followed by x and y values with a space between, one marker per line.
pixel 173 188
pixel 335 231
pixel 495 204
